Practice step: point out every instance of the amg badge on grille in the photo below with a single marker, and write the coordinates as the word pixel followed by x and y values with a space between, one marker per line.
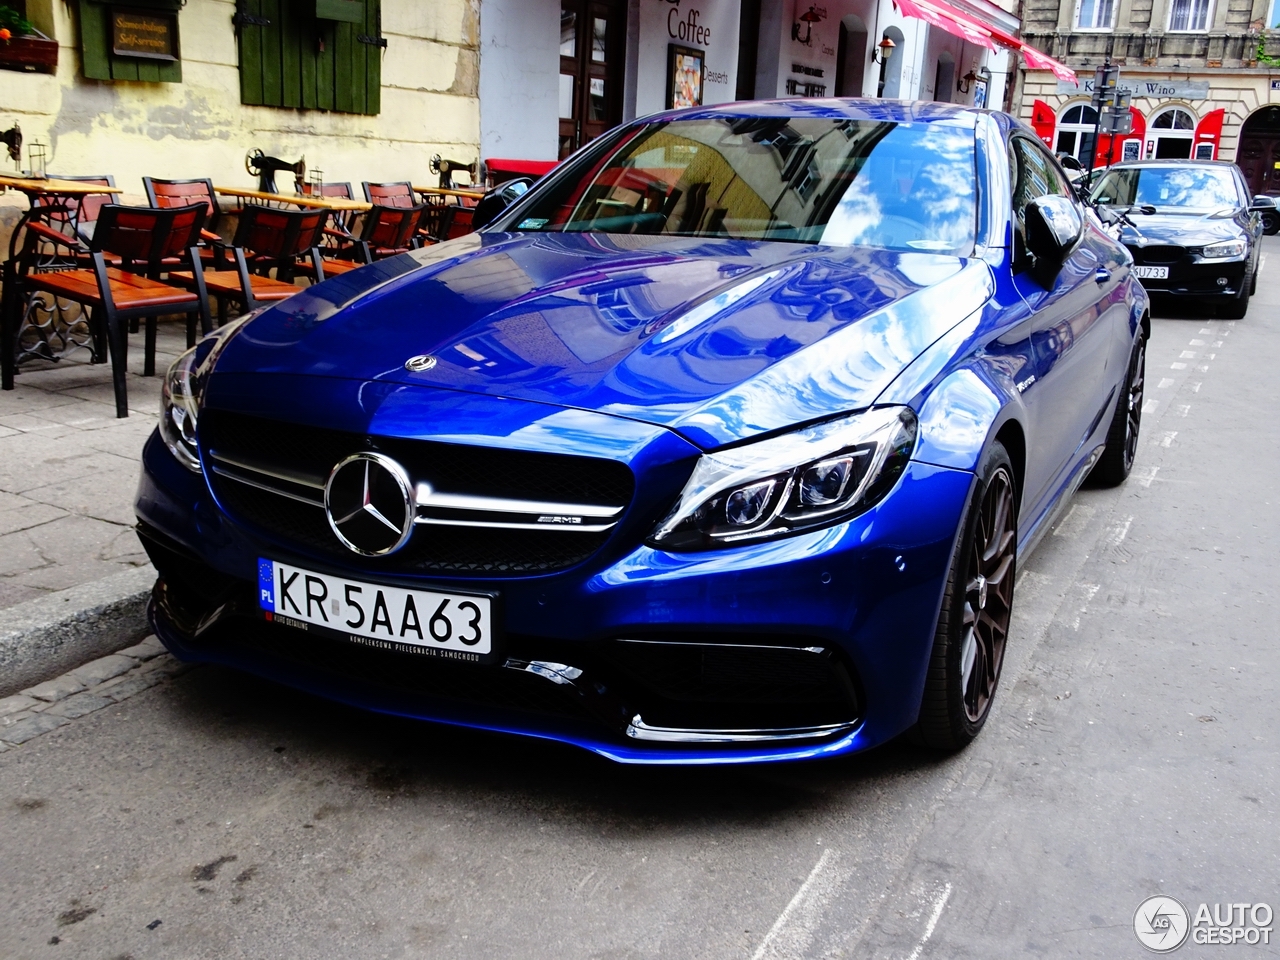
pixel 368 499
pixel 423 361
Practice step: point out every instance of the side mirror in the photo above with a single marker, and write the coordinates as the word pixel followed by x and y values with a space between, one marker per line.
pixel 1053 226
pixel 1262 202
pixel 493 203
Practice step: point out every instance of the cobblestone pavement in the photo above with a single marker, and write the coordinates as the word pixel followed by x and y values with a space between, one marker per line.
pixel 77 693
pixel 69 468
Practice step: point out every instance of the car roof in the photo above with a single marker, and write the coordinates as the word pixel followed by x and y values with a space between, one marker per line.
pixel 902 111
pixel 1172 163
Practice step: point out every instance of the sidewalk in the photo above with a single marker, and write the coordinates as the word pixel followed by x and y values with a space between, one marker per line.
pixel 69 469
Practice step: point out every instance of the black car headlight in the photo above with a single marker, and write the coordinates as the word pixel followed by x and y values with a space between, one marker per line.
pixel 813 477
pixel 1227 250
pixel 181 391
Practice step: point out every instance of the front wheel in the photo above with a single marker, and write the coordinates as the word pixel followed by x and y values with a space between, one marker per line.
pixel 973 624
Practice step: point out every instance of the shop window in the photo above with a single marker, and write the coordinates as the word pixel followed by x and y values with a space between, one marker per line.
pixel 311 54
pixel 1095 14
pixel 1190 15
pixel 1075 132
pixel 133 41
pixel 1172 131
pixel 1273 16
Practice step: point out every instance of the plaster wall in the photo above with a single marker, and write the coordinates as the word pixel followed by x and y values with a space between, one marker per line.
pixel 199 128
pixel 519 76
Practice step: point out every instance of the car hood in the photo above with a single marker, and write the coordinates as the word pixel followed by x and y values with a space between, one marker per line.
pixel 717 339
pixel 1183 230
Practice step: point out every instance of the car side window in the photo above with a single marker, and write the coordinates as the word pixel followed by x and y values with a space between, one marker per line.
pixel 1033 175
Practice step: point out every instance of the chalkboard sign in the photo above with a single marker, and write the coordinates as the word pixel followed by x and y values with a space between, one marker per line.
pixel 149 35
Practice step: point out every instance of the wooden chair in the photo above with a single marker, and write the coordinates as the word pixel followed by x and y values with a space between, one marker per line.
pixel 390 194
pixel 385 232
pixel 266 239
pixel 87 210
pixel 143 239
pixel 181 193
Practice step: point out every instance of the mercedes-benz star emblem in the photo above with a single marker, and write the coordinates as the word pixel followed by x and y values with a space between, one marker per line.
pixel 369 502
pixel 418 364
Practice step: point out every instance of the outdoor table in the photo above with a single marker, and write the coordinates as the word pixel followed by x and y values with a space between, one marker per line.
pixel 333 204
pixel 58 330
pixel 461 195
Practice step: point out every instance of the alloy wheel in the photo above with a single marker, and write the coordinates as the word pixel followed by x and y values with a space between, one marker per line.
pixel 1137 374
pixel 988 598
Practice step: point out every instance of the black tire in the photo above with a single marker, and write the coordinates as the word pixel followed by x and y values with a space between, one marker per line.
pixel 1113 467
pixel 1237 306
pixel 973 623
pixel 1271 223
pixel 1253 285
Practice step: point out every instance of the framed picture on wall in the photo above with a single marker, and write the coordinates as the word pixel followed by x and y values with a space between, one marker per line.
pixel 1132 150
pixel 686 68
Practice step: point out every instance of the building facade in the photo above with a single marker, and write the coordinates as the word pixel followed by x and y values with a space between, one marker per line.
pixel 1202 74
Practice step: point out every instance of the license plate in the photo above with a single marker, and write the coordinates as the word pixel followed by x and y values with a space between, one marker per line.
pixel 1151 273
pixel 456 626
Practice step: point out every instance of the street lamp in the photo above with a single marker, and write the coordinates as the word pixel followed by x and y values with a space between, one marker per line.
pixel 965 83
pixel 886 50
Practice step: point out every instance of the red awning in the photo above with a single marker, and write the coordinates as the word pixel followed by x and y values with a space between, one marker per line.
pixel 972 30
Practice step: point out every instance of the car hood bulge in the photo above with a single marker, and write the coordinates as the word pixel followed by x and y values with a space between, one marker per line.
pixel 718 339
pixel 1184 230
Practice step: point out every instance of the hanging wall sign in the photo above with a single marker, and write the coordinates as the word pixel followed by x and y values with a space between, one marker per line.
pixel 148 35
pixel 707 32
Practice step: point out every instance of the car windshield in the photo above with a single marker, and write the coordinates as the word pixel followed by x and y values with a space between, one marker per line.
pixel 1189 187
pixel 901 186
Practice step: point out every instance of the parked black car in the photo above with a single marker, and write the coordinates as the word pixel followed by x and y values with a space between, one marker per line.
pixel 1191 227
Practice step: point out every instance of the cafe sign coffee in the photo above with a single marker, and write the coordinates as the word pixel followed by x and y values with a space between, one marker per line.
pixel 144 34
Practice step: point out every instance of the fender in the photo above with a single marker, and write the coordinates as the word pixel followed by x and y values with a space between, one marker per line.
pixel 963 414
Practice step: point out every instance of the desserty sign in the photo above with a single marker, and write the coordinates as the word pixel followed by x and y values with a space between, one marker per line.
pixel 1142 87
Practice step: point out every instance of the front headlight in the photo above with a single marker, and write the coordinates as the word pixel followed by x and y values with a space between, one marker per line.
pixel 1227 250
pixel 181 391
pixel 814 477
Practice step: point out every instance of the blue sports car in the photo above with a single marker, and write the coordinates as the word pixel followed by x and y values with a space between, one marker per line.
pixel 719 445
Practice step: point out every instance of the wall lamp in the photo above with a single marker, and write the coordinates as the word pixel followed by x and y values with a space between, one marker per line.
pixel 965 83
pixel 885 47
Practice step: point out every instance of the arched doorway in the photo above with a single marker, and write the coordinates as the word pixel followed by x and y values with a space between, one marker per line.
pixel 1259 151
pixel 1173 131
pixel 944 78
pixel 890 85
pixel 1075 132
pixel 851 57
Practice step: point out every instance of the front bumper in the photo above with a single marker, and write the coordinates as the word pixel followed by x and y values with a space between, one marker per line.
pixel 807 647
pixel 1192 276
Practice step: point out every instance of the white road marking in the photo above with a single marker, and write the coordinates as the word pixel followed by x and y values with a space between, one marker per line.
pixel 1117 534
pixel 938 906
pixel 792 932
pixel 1197 343
pixel 1149 406
pixel 1090 591
pixel 1195 387
pixel 1203 369
pixel 1146 476
pixel 1188 355
pixel 1178 366
pixel 1166 438
pixel 1165 382
pixel 1211 356
pixel 1217 343
pixel 1205 330
pixel 1184 409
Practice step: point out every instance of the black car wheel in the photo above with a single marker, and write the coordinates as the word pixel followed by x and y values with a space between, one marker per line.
pixel 1122 438
pixel 1270 223
pixel 973 624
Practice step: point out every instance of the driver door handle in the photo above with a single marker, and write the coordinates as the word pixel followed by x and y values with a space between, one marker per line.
pixel 1102 275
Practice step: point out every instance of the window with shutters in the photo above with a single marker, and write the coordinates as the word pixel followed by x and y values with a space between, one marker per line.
pixel 311 54
pixel 135 40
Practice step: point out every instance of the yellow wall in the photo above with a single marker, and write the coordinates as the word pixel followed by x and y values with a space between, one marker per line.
pixel 199 128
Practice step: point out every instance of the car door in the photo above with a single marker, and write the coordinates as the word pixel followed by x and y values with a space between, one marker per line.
pixel 1070 391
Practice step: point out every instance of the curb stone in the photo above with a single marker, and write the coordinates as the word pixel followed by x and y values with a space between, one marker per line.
pixel 44 637
pixel 23 717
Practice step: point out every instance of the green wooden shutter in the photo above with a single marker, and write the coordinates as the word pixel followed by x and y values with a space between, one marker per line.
pixel 100 63
pixel 303 61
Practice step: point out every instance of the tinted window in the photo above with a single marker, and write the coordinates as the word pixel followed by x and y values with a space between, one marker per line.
pixel 1182 187
pixel 904 186
pixel 1033 175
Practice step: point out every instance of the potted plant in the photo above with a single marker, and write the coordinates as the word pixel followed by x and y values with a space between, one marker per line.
pixel 22 46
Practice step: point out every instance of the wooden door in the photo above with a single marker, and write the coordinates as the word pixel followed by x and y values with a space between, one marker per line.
pixel 591 54
pixel 1257 158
